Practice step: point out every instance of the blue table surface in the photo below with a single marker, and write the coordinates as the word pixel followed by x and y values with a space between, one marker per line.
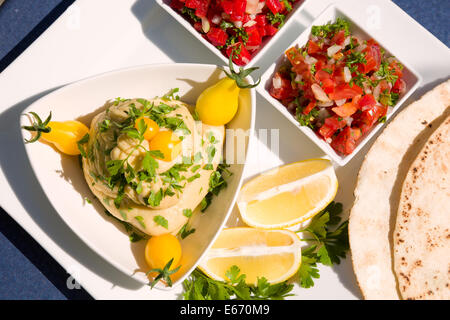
pixel 27 271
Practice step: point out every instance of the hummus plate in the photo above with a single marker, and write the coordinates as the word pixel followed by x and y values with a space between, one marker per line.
pixel 62 180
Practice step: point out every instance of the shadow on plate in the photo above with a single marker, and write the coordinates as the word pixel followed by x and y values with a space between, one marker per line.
pixel 20 176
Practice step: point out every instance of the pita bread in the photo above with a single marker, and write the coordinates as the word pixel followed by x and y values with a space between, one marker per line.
pixel 422 231
pixel 378 189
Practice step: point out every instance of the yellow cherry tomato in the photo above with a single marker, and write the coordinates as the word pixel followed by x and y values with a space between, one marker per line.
pixel 65 135
pixel 161 249
pixel 168 143
pixel 218 104
pixel 152 127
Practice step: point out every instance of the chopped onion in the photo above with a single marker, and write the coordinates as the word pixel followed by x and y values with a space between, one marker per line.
pixel 261 6
pixel 252 6
pixel 238 24
pixel 376 92
pixel 349 121
pixel 310 60
pixel 298 78
pixel 205 25
pixel 367 88
pixel 326 41
pixel 250 23
pixel 216 19
pixel 276 82
pixel 319 94
pixel 347 74
pixel 340 102
pixel 331 61
pixel 252 47
pixel 329 140
pixel 325 104
pixel 331 51
pixel 361 47
pixel 347 41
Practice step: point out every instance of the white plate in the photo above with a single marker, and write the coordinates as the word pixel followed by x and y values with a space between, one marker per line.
pixel 145 33
pixel 333 12
pixel 63 182
pixel 266 44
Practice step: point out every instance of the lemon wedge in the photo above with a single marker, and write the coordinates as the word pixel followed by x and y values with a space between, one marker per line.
pixel 288 195
pixel 273 254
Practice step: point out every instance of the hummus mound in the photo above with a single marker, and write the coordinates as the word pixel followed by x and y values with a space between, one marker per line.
pixel 156 201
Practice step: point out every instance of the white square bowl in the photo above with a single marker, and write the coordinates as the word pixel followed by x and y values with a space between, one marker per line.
pixel 411 77
pixel 165 4
pixel 62 180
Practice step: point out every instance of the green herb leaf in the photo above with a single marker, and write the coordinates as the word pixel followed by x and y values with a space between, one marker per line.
pixel 161 221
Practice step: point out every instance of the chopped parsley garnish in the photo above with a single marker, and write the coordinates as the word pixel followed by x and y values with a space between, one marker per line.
pixel 190 13
pixel 389 99
pixel 307 120
pixel 134 234
pixel 187 213
pixel 140 220
pixel 161 221
pixel 171 95
pixel 329 29
pixel 276 19
pixel 186 231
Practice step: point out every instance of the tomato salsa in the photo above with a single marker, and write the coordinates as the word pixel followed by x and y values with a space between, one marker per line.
pixel 237 26
pixel 338 85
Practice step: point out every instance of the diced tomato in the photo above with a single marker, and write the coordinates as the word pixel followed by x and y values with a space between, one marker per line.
pixel 270 30
pixel 338 38
pixel 261 20
pixel 198 26
pixel 345 91
pixel 331 125
pixel 177 4
pixel 345 110
pixel 346 141
pixel 313 47
pixel 241 55
pixel 227 6
pixel 285 90
pixel 238 10
pixel 309 107
pixel 399 86
pixel 367 101
pixel 217 36
pixel 200 6
pixel 372 56
pixel 274 6
pixel 366 119
pixel 254 38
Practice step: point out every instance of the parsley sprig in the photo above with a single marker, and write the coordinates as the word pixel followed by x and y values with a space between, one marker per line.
pixel 329 243
pixel 200 287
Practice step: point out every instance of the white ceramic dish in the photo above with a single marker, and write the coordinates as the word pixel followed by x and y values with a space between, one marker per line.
pixel 62 179
pixel 267 42
pixel 411 77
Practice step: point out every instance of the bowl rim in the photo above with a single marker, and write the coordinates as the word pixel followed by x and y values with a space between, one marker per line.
pixel 332 11
pixel 259 54
pixel 60 90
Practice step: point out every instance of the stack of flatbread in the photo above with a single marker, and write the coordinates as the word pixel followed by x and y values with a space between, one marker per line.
pixel 399 225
